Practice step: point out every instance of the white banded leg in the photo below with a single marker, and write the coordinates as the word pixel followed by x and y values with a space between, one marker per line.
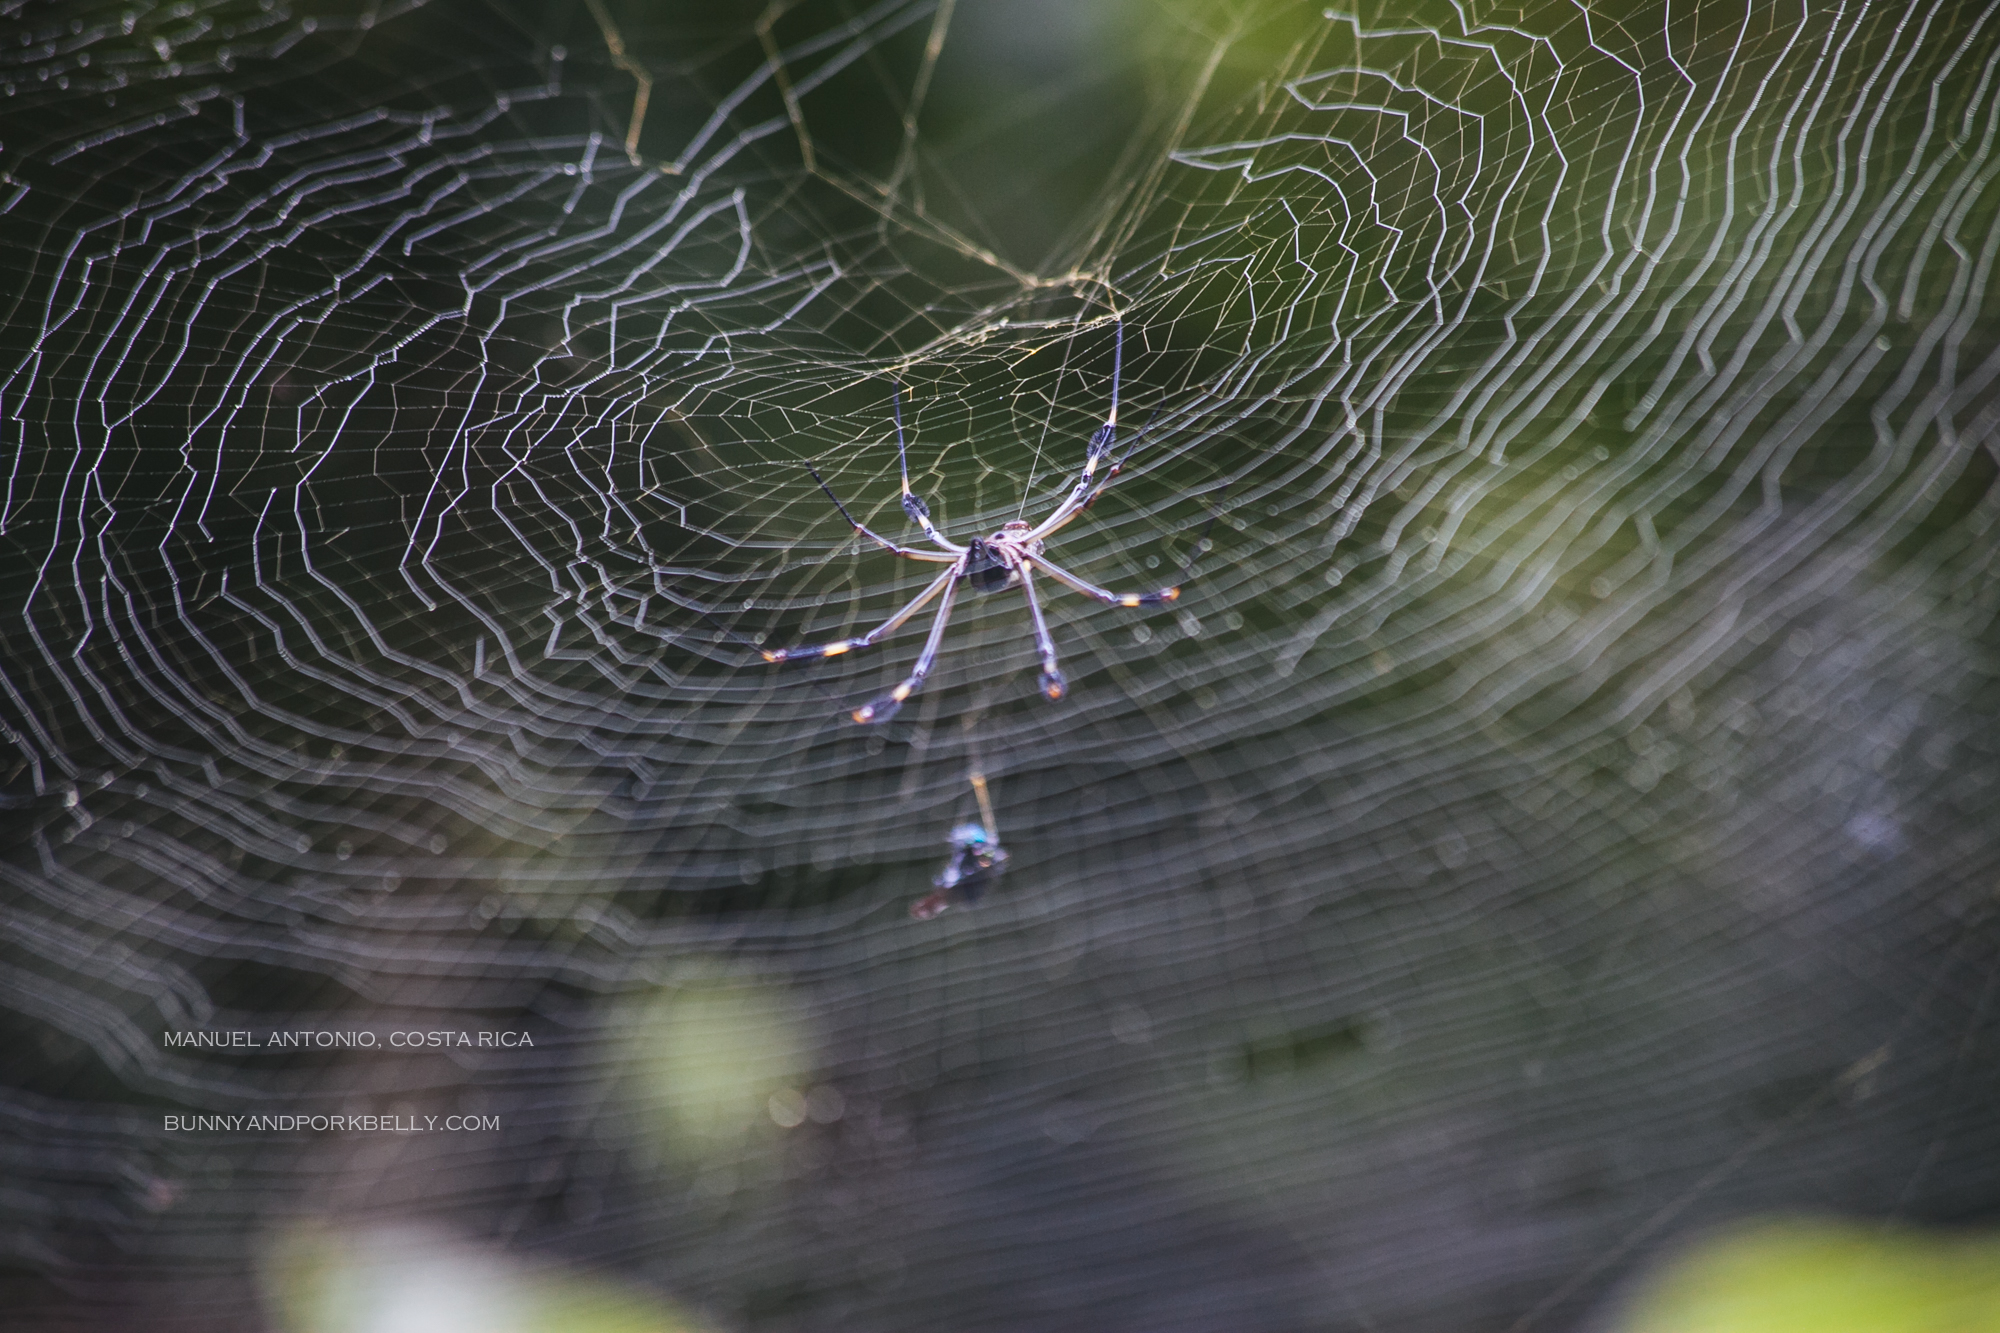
pixel 885 707
pixel 1051 683
pixel 910 551
pixel 1081 495
pixel 889 626
pixel 913 504
pixel 1104 595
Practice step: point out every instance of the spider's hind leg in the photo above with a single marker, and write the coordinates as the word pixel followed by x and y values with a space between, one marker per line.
pixel 1051 683
pixel 884 708
pixel 889 626
pixel 1105 595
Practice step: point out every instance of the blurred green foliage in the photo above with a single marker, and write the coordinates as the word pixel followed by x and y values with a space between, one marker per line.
pixel 1817 1276
pixel 328 1281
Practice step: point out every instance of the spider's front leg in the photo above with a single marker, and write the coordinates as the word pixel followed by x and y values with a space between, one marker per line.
pixel 892 547
pixel 1081 495
pixel 914 505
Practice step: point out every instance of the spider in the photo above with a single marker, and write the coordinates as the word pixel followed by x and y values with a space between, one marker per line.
pixel 1009 558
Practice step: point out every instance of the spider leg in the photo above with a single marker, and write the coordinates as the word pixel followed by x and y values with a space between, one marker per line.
pixel 889 626
pixel 1067 513
pixel 1104 595
pixel 877 538
pixel 1081 496
pixel 1051 683
pixel 885 707
pixel 1200 544
pixel 913 504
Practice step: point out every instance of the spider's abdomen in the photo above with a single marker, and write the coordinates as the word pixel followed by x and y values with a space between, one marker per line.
pixel 986 571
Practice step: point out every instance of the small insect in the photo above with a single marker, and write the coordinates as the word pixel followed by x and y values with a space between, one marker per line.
pixel 976 860
pixel 975 863
pixel 1009 558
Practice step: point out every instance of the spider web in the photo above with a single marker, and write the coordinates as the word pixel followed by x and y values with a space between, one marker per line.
pixel 1557 816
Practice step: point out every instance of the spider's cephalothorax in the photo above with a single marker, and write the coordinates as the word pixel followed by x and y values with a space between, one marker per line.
pixel 996 562
pixel 986 568
pixel 1010 556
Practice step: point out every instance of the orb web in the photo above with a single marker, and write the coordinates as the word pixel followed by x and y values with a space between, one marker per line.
pixel 1556 814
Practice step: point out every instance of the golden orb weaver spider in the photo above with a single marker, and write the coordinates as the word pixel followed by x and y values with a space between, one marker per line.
pixel 1009 558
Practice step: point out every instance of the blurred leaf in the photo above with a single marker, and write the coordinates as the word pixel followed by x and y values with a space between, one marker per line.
pixel 403 1280
pixel 1804 1276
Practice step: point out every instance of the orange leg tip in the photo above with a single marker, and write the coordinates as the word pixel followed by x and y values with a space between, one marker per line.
pixel 774 657
pixel 1171 594
pixel 879 711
